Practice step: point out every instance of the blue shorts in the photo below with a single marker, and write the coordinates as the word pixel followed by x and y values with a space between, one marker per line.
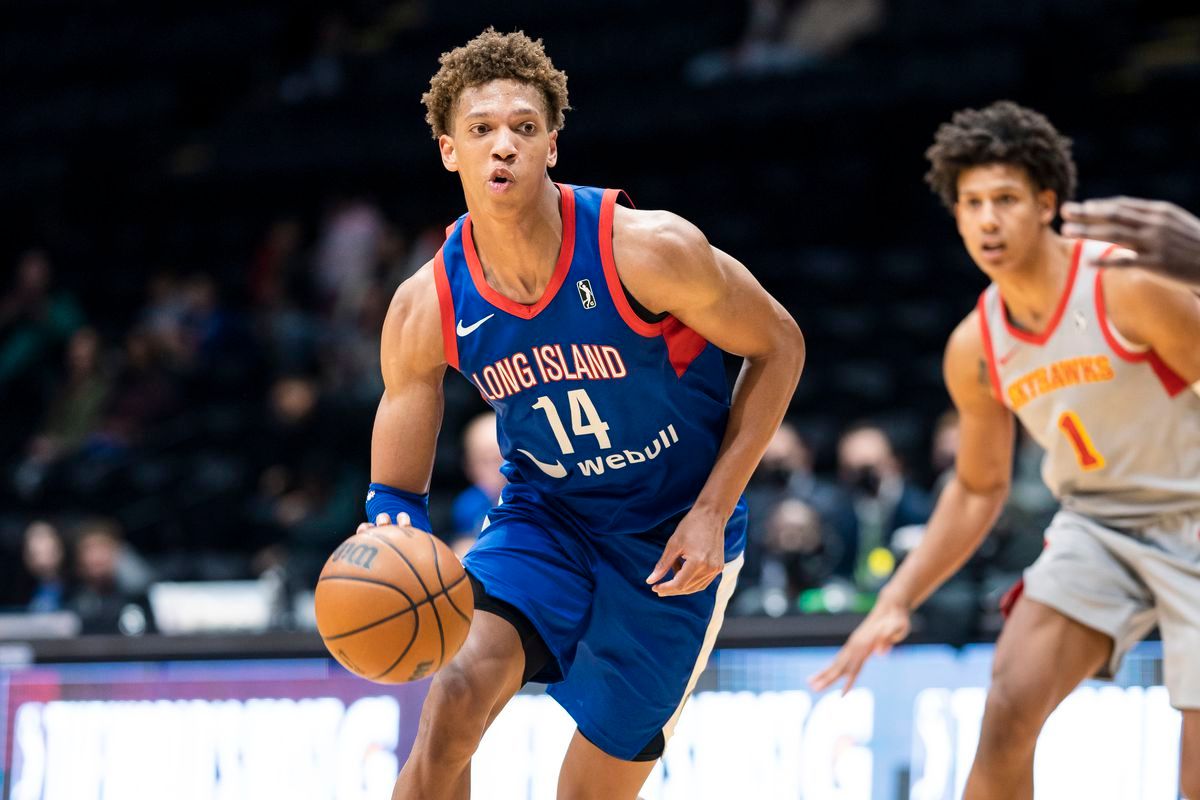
pixel 624 659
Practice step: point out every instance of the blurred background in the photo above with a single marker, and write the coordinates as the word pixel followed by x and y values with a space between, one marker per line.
pixel 207 206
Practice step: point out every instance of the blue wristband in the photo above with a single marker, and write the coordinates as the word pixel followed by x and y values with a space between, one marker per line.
pixel 384 499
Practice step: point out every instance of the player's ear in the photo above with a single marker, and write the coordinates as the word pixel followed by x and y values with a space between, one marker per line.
pixel 552 155
pixel 1047 200
pixel 449 155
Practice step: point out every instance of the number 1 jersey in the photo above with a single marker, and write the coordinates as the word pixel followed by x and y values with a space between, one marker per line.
pixel 1120 429
pixel 614 422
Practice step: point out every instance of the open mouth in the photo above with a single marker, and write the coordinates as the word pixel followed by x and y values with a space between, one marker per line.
pixel 501 179
pixel 993 248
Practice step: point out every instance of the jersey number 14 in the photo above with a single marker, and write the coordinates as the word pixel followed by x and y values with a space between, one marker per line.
pixel 585 420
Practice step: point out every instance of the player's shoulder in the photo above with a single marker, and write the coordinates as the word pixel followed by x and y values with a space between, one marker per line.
pixel 966 340
pixel 416 293
pixel 1144 307
pixel 1138 288
pixel 966 366
pixel 413 320
pixel 657 237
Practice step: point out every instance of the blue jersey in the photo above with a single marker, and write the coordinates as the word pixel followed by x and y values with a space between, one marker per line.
pixel 610 420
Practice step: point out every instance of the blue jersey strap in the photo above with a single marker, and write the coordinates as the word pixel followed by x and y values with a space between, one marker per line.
pixel 384 499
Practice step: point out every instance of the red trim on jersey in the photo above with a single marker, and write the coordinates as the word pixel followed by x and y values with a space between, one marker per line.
pixel 616 290
pixel 684 345
pixel 446 306
pixel 1171 381
pixel 988 352
pixel 1044 336
pixel 565 253
pixel 450 229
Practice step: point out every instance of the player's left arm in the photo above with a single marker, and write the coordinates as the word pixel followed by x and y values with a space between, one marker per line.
pixel 1163 316
pixel 668 265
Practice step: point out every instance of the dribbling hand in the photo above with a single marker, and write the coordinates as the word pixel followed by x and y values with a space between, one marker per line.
pixel 381 520
pixel 885 626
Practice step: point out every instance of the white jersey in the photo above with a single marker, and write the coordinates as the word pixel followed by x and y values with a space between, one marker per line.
pixel 1120 429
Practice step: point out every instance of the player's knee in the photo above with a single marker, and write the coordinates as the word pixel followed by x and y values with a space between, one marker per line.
pixel 458 706
pixel 1011 719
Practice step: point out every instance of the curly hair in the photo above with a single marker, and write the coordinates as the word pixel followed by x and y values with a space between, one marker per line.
pixel 494 56
pixel 1002 133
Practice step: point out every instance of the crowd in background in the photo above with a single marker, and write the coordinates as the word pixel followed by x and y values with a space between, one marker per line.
pixel 188 383
pixel 117 417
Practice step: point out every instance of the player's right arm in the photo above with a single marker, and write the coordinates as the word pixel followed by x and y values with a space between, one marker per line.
pixel 413 361
pixel 965 511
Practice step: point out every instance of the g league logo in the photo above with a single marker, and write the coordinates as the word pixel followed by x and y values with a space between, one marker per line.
pixel 586 295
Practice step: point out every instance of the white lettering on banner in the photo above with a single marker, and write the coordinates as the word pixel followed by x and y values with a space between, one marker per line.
pixel 727 744
pixel 1101 743
pixel 311 749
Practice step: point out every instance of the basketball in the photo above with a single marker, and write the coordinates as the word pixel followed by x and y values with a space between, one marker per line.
pixel 393 604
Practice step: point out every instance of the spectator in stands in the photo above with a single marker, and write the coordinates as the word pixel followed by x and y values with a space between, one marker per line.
pixel 481 463
pixel 349 353
pixel 346 255
pixel 285 299
pixel 108 597
pixel 34 320
pixel 205 325
pixel 308 499
pixel 884 499
pixel 43 555
pixel 786 472
pixel 75 410
pixel 799 553
pixel 146 392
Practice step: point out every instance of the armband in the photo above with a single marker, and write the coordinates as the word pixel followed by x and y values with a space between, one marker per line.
pixel 384 499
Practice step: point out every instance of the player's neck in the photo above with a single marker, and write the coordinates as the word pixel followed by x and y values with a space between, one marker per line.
pixel 1032 293
pixel 518 248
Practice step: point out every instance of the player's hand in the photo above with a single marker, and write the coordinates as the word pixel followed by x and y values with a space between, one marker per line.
pixel 887 624
pixel 383 519
pixel 1165 238
pixel 696 551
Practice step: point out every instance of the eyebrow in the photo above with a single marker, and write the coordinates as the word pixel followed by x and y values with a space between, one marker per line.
pixel 520 111
pixel 1004 187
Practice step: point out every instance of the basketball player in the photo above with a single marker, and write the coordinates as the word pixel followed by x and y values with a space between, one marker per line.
pixel 1100 367
pixel 595 333
pixel 1164 238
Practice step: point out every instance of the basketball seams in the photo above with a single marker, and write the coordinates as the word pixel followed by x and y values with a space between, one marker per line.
pixel 436 616
pixel 412 606
pixel 412 639
pixel 437 565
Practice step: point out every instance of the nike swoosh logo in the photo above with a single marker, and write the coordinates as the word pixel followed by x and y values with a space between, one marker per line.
pixel 470 328
pixel 1007 357
pixel 555 470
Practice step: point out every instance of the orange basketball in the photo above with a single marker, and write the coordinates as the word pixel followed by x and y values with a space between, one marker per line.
pixel 393 604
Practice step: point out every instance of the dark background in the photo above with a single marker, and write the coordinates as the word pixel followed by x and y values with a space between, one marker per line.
pixel 146 139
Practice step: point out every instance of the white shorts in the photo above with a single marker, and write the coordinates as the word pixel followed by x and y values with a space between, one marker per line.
pixel 1123 584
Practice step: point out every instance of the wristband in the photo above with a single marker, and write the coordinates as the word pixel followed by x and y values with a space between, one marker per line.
pixel 384 499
